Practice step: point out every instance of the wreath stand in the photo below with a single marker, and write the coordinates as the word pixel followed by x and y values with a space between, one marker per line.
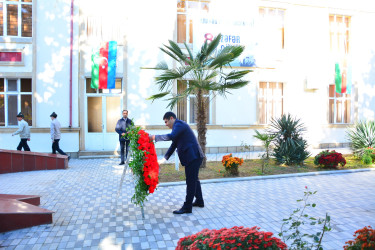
pixel 122 182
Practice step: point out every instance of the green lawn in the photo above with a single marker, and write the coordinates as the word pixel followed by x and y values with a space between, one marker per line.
pixel 216 170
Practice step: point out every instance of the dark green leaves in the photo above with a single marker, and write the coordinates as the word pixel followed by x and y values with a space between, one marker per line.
pixel 204 71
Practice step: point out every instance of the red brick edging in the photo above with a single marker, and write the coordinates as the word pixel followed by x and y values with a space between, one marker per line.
pixel 18 161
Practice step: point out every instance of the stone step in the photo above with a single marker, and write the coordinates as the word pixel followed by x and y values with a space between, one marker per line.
pixel 16 212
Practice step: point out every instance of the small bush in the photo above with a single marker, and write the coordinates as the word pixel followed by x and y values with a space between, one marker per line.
pixel 365 240
pixel 232 238
pixel 231 164
pixel 366 159
pixel 290 147
pixel 329 159
pixel 371 152
pixel 361 135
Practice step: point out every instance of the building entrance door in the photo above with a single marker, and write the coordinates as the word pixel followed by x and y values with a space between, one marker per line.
pixel 103 109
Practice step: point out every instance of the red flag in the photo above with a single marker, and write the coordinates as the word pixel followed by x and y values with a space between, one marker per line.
pixel 103 67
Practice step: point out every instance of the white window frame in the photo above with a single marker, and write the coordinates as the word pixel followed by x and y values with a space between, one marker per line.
pixel 188 111
pixel 7 93
pixel 268 100
pixel 189 12
pixel 339 53
pixel 19 14
pixel 277 11
pixel 341 99
pixel 104 91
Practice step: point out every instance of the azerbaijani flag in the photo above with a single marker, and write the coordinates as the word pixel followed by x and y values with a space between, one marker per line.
pixel 103 68
pixel 343 77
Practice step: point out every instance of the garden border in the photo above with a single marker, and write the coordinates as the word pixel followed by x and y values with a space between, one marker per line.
pixel 249 178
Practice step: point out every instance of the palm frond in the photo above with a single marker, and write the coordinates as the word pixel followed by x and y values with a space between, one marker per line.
pixel 160 66
pixel 202 55
pixel 213 45
pixel 221 60
pixel 169 53
pixel 233 75
pixel 173 101
pixel 222 57
pixel 167 78
pixel 158 96
pixel 236 50
pixel 175 48
pixel 189 51
pixel 235 84
pixel 176 51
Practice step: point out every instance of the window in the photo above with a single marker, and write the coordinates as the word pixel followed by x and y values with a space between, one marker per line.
pixel 116 90
pixel 340 106
pixel 270 101
pixel 16 18
pixel 11 57
pixel 339 31
pixel 15 97
pixel 187 108
pixel 185 11
pixel 271 27
pixel 103 28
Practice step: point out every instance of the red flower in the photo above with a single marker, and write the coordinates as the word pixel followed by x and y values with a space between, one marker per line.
pixel 150 165
pixel 232 238
pixel 365 239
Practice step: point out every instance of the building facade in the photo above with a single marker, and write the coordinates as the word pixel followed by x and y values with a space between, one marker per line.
pixel 45 66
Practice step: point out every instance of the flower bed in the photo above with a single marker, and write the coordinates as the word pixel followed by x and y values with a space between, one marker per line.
pixel 329 159
pixel 365 239
pixel 368 156
pixel 231 238
pixel 231 164
pixel 144 165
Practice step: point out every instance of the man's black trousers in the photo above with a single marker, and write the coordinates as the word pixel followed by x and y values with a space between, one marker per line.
pixel 193 185
pixel 23 144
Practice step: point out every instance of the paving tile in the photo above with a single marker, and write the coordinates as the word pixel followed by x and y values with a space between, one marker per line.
pixel 88 216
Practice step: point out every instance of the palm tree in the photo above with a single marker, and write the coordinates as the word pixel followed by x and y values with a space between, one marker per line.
pixel 201 74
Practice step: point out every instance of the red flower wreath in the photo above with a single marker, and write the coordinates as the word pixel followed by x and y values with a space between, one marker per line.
pixel 150 166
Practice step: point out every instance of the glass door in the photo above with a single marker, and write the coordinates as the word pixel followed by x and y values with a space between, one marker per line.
pixel 103 109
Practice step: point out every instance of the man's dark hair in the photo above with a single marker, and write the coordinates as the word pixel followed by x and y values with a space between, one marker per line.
pixel 125 110
pixel 168 115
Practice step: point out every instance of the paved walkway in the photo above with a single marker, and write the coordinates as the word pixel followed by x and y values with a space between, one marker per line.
pixel 87 217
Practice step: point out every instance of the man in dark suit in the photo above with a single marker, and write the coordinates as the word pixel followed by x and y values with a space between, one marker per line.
pixel 121 128
pixel 190 154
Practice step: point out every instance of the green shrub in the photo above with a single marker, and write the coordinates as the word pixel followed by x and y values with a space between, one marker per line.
pixel 361 136
pixel 366 159
pixel 290 147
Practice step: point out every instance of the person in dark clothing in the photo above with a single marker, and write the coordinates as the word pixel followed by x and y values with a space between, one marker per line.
pixel 191 156
pixel 121 128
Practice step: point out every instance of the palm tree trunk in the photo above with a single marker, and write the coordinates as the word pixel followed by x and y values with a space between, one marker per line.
pixel 201 124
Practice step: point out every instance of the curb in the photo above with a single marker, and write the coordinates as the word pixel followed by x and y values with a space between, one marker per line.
pixel 250 178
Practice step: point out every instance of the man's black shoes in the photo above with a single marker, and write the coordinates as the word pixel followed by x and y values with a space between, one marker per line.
pixel 183 211
pixel 197 204
pixel 121 163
